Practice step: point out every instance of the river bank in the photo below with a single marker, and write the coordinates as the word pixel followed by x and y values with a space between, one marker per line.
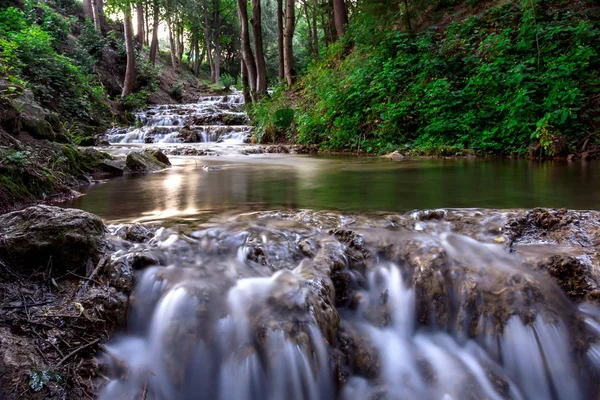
pixel 316 274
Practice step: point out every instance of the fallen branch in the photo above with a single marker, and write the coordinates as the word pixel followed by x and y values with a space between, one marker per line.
pixel 77 350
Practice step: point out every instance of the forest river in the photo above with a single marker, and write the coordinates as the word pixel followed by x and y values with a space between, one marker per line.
pixel 282 276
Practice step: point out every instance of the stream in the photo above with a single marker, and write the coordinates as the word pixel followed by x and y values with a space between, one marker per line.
pixel 270 276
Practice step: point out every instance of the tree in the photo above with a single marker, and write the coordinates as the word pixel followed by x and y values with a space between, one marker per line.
pixel 340 17
pixel 288 37
pixel 130 71
pixel 155 24
pixel 246 50
pixel 261 69
pixel 139 9
pixel 280 39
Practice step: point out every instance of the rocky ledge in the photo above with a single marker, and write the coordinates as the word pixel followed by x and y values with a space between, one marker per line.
pixel 66 281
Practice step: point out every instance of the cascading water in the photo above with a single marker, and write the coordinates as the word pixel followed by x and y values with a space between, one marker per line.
pixel 212 119
pixel 323 306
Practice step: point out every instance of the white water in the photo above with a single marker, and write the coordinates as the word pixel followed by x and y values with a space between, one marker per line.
pixel 213 119
pixel 216 325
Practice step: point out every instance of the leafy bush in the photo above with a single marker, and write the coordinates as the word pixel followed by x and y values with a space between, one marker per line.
pixel 494 82
pixel 56 80
pixel 176 91
pixel 227 81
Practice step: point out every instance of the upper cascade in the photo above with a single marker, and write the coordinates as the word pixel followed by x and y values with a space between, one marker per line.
pixel 211 119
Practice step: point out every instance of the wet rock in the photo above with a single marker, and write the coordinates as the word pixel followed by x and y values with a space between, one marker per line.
pixel 51 238
pixel 395 156
pixel 187 135
pixel 144 162
pixel 577 280
pixel 160 156
pixel 428 215
pixel 137 233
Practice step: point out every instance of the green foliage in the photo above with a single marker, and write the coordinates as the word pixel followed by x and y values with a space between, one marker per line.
pixel 493 82
pixel 273 117
pixel 15 158
pixel 227 81
pixel 28 46
pixel 176 91
pixel 39 379
pixel 135 101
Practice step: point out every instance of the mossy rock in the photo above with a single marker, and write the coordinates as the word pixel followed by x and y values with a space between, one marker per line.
pixel 52 239
pixel 144 162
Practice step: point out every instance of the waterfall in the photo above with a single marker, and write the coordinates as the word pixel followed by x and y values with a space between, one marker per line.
pixel 211 119
pixel 250 309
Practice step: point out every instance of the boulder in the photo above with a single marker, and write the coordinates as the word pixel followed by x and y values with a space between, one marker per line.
pixel 54 239
pixel 144 162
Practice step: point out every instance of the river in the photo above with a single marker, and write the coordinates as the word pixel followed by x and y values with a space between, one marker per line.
pixel 264 276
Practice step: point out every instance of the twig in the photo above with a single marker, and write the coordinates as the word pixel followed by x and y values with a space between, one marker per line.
pixel 144 392
pixel 43 303
pixel 52 344
pixel 77 350
pixel 83 277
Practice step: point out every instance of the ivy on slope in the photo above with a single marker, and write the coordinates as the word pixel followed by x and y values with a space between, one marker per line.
pixel 518 73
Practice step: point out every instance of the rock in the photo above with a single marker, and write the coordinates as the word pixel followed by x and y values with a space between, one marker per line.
pixel 144 162
pixel 54 239
pixel 395 156
pixel 111 168
pixel 576 279
pixel 187 135
pixel 135 233
pixel 160 156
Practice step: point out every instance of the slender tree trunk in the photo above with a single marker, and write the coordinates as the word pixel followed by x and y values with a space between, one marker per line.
pixel 290 21
pixel 155 24
pixel 139 10
pixel 103 26
pixel 95 16
pixel 207 41
pixel 340 16
pixel 172 45
pixel 180 43
pixel 87 9
pixel 324 23
pixel 130 71
pixel 217 28
pixel 245 86
pixel 280 40
pixel 331 19
pixel 315 33
pixel 246 50
pixel 147 21
pixel 407 16
pixel 307 16
pixel 261 67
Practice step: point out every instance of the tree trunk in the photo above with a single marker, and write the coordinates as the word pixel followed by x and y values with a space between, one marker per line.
pixel 139 9
pixel 245 87
pixel 331 19
pixel 246 50
pixel 288 54
pixel 102 25
pixel 180 44
pixel 95 16
pixel 340 16
pixel 407 16
pixel 217 28
pixel 87 9
pixel 147 27
pixel 130 71
pixel 261 68
pixel 280 39
pixel 156 22
pixel 172 45
pixel 315 33
pixel 207 32
pixel 307 16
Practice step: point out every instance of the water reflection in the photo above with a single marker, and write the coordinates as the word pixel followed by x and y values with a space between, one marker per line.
pixel 348 183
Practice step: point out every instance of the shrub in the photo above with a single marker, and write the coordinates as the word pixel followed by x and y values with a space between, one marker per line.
pixel 227 81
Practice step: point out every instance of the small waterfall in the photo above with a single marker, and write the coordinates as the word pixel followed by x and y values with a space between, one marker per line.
pixel 244 310
pixel 212 119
